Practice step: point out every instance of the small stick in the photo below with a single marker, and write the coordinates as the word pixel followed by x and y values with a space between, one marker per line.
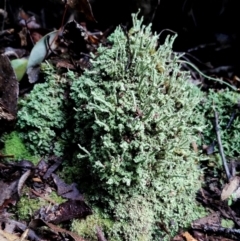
pixel 5 156
pixel 100 234
pixel 42 196
pixel 217 128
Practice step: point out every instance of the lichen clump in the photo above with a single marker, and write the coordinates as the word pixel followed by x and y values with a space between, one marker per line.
pixel 42 116
pixel 134 132
pixel 133 126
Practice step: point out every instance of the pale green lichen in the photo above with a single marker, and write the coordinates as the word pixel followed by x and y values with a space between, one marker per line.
pixel 134 129
pixel 42 115
pixel 226 103
pixel 132 120
pixel 227 223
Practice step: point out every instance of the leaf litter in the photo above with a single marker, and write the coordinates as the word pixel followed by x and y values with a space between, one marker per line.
pixel 15 176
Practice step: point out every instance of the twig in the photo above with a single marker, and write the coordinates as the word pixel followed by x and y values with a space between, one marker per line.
pixel 219 230
pixel 206 76
pixel 6 32
pixel 22 181
pixel 155 10
pixel 4 16
pixel 100 234
pixel 232 117
pixel 43 197
pixel 217 128
pixel 5 156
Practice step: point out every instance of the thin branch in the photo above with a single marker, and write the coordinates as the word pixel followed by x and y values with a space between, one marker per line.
pixel 155 10
pixel 100 234
pixel 220 146
pixel 206 76
pixel 4 15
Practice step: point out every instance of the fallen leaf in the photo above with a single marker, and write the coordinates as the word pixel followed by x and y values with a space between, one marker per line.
pixel 212 219
pixel 5 236
pixel 65 190
pixel 12 226
pixel 27 21
pixel 23 36
pixel 39 53
pixel 36 179
pixel 188 236
pixel 19 67
pixel 17 53
pixel 8 191
pixel 66 211
pixel 82 6
pixel 229 188
pixel 56 163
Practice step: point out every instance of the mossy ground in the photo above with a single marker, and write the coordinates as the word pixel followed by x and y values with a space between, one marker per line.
pixel 87 228
pixel 27 206
pixel 14 145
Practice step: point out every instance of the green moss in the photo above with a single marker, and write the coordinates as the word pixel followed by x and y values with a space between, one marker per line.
pixel 27 206
pixel 14 145
pixel 56 198
pixel 87 228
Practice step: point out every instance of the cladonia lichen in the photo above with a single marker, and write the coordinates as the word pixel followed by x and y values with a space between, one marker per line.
pixel 42 116
pixel 133 129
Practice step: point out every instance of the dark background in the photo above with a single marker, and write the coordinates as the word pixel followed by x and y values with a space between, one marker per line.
pixel 208 31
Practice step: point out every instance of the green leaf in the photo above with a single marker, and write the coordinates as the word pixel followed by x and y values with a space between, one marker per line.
pixel 19 66
pixel 42 49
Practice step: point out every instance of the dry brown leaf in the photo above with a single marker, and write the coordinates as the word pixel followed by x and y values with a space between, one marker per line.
pixel 82 6
pixel 36 179
pixel 188 237
pixel 4 236
pixel 229 188
pixel 211 219
pixel 8 92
